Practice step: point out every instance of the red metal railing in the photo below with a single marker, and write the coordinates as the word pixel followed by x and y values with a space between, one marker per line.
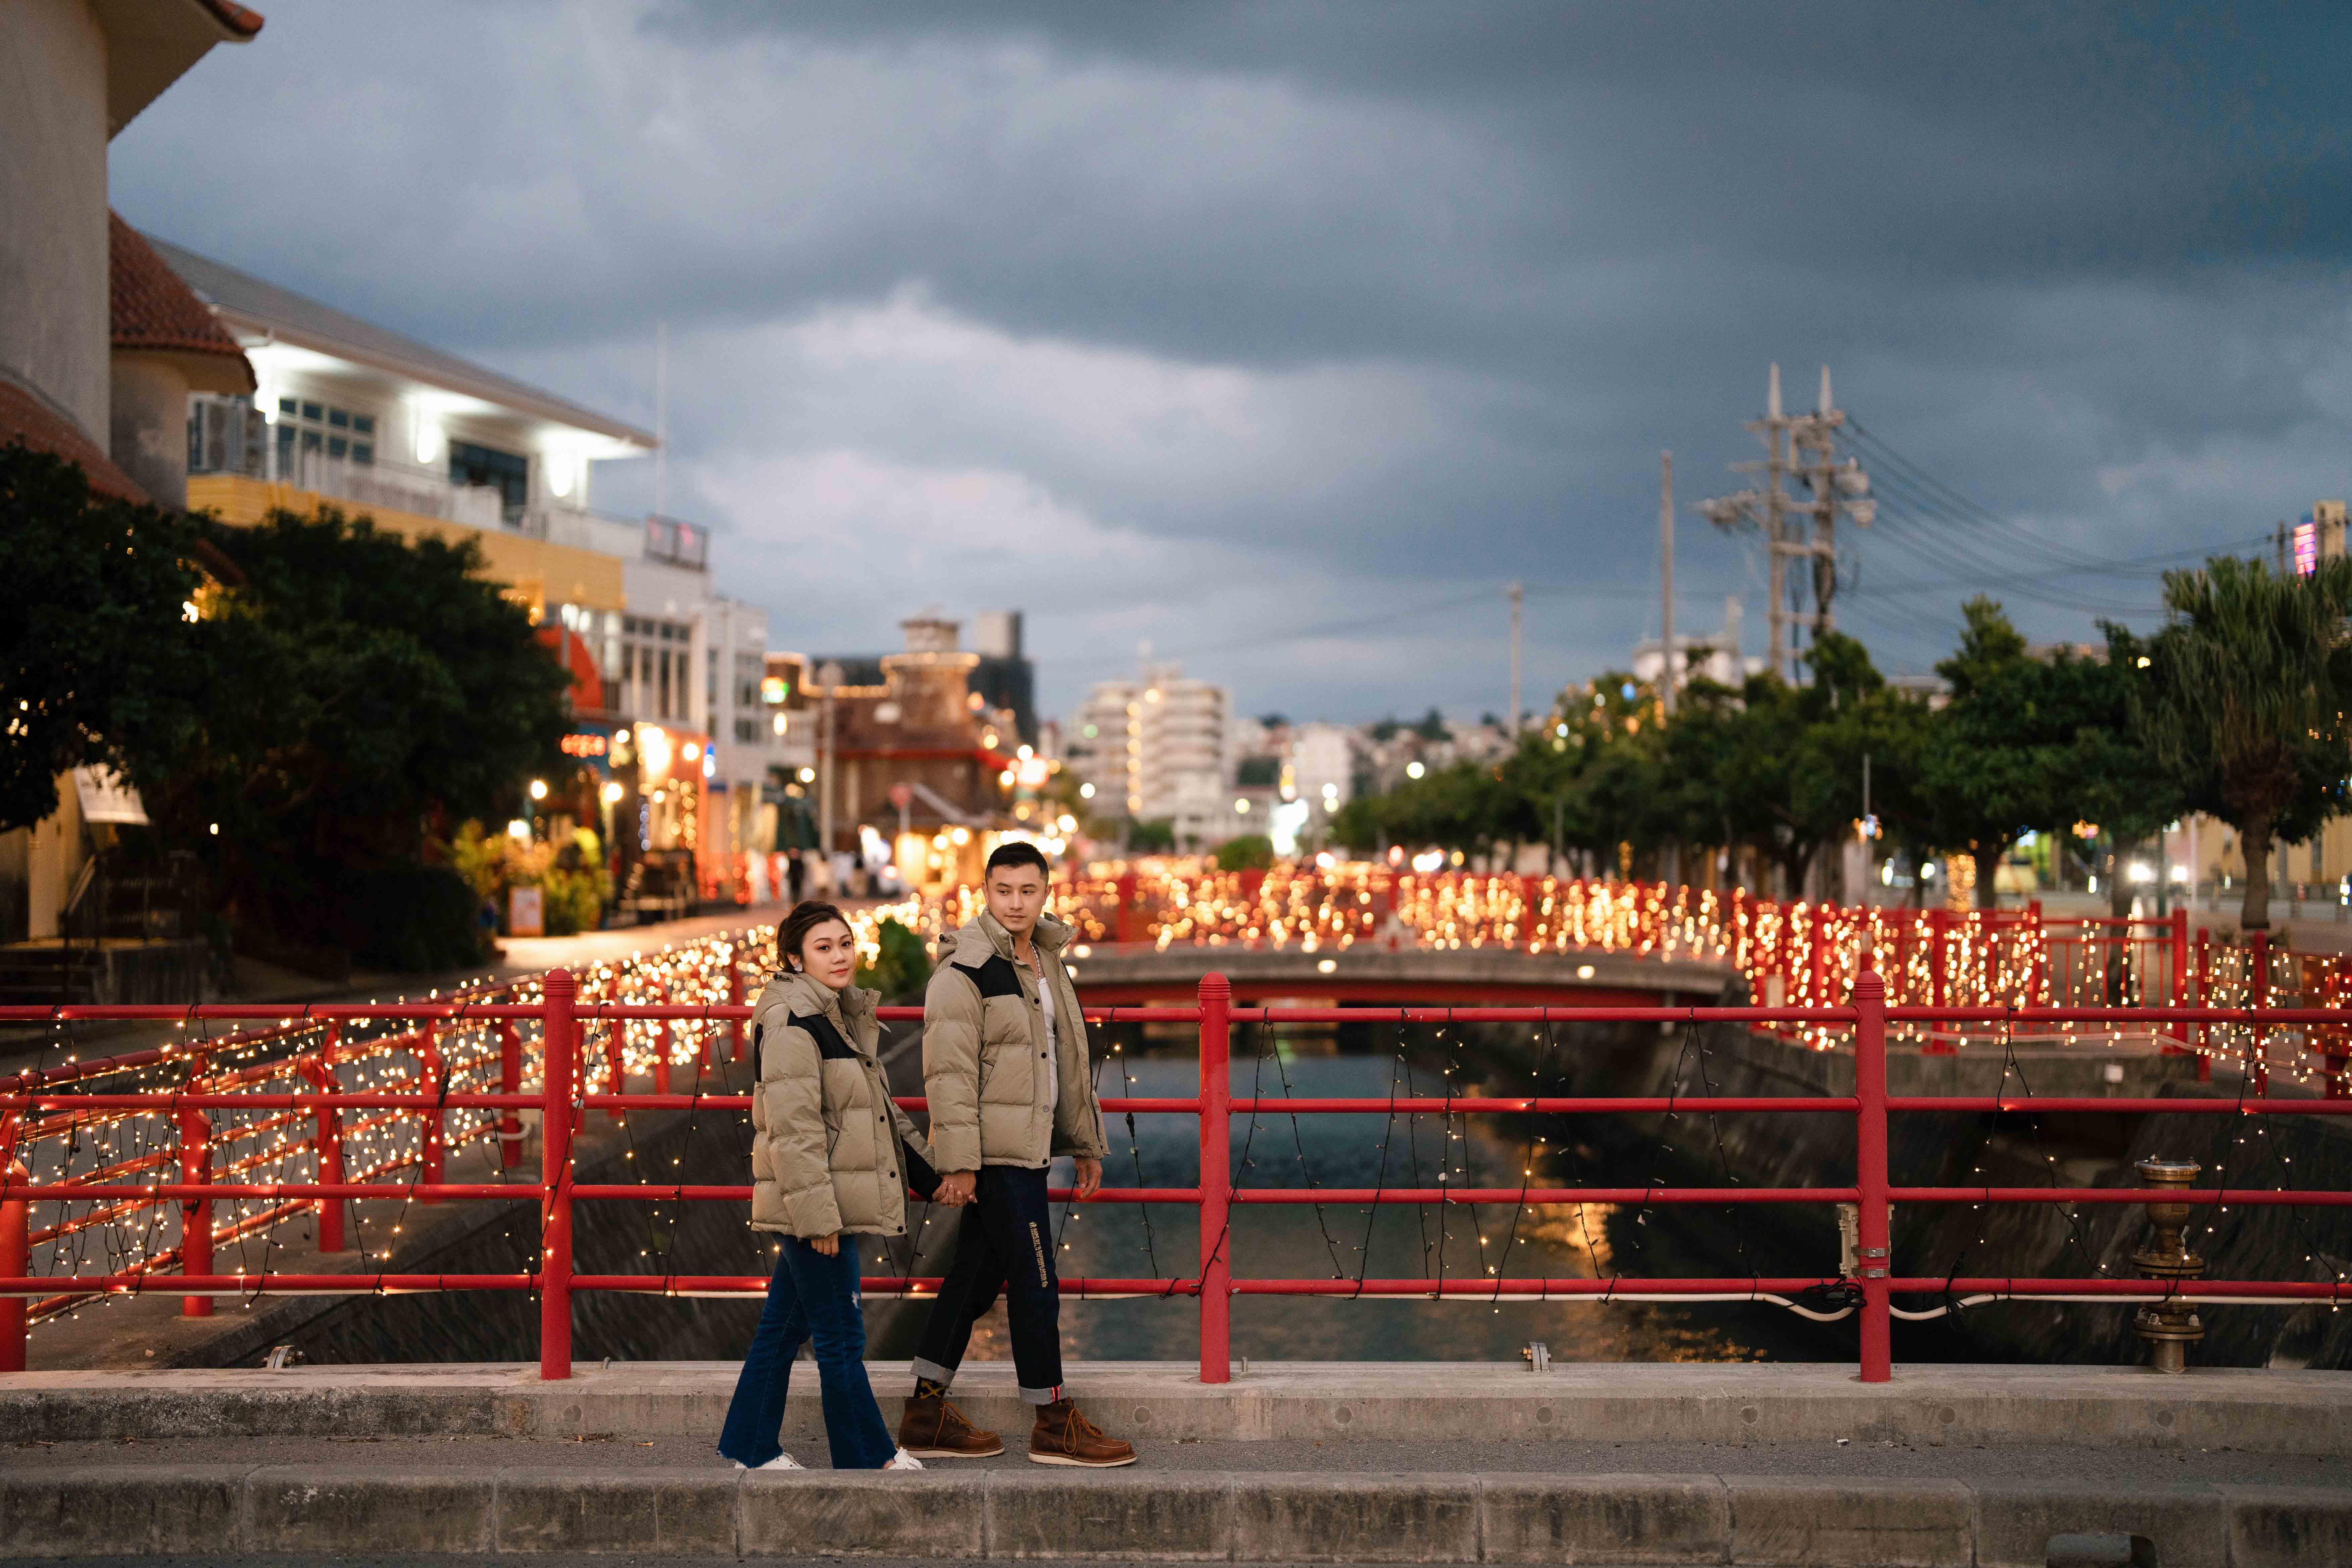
pixel 228 1078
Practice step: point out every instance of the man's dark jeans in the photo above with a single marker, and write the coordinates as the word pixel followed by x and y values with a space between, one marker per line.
pixel 1005 1242
pixel 810 1296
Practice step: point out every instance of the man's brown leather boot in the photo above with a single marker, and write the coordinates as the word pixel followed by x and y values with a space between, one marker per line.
pixel 1063 1436
pixel 935 1429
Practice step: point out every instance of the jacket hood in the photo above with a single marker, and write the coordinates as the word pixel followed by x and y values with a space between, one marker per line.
pixel 974 941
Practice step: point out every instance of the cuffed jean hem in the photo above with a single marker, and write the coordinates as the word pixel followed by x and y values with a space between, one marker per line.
pixel 942 1375
pixel 1041 1396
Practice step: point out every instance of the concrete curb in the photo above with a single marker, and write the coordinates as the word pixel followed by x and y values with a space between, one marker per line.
pixel 1200 1517
pixel 2253 1411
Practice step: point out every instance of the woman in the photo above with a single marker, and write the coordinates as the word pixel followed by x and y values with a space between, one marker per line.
pixel 832 1155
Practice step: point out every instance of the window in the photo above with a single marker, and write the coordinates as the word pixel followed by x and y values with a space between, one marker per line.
pixel 509 473
pixel 225 435
pixel 308 430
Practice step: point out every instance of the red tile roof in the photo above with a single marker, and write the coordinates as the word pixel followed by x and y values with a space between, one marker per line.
pixel 234 19
pixel 153 309
pixel 24 418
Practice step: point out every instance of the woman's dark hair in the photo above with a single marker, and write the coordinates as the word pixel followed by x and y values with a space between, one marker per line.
pixel 793 932
pixel 1019 852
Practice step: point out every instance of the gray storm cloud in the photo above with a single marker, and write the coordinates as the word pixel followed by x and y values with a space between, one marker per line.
pixel 1214 325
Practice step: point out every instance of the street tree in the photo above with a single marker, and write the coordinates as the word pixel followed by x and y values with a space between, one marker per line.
pixel 96 664
pixel 2249 684
pixel 1983 769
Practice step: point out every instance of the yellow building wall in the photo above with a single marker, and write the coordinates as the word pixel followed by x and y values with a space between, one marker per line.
pixel 537 572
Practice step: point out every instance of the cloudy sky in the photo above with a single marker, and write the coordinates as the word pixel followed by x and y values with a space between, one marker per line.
pixel 1283 336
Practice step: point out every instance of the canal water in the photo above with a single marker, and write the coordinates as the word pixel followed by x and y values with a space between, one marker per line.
pixel 1429 1242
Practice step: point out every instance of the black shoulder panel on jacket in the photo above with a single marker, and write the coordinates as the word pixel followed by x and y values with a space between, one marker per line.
pixel 994 978
pixel 829 1043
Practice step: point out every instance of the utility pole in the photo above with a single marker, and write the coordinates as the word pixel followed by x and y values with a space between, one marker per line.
pixel 1518 595
pixel 1666 585
pixel 661 417
pixel 829 676
pixel 1803 443
pixel 1835 487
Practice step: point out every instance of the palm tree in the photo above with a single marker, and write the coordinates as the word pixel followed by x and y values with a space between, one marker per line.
pixel 2249 683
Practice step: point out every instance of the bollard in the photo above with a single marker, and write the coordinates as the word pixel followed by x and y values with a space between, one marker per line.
pixel 1870 1174
pixel 1216 995
pixel 2172 1326
pixel 195 1213
pixel 320 1070
pixel 555 1179
pixel 1124 930
pixel 510 1082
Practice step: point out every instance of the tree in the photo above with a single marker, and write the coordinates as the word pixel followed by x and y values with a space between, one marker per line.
pixel 96 650
pixel 1984 767
pixel 2249 682
pixel 2106 771
pixel 362 694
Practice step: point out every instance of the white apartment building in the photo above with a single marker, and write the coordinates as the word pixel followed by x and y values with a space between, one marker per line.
pixel 1160 745
pixel 428 444
pixel 1322 767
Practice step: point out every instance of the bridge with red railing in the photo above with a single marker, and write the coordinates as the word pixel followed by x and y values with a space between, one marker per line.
pixel 251 1116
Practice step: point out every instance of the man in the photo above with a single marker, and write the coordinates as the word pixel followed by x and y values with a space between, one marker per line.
pixel 1005 1064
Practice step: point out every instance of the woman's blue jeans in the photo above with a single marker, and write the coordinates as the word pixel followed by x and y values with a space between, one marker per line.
pixel 810 1297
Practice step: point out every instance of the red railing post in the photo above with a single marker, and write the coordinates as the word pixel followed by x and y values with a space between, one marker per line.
pixel 1939 958
pixel 2038 944
pixel 195 1213
pixel 2257 996
pixel 664 1039
pixel 320 1070
pixel 1870 1172
pixel 2204 999
pixel 16 1248
pixel 510 1082
pixel 432 1150
pixel 555 1179
pixel 1216 995
pixel 2178 946
pixel 734 999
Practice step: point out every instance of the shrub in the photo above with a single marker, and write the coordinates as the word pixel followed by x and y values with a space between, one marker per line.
pixel 1250 852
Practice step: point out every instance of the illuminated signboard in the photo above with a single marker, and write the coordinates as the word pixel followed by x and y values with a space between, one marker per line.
pixel 2307 549
pixel 775 690
pixel 585 745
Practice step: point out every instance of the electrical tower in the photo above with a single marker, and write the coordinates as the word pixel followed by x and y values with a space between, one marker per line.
pixel 1802 448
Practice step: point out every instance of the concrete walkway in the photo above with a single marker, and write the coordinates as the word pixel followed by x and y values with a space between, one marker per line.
pixel 1452 1463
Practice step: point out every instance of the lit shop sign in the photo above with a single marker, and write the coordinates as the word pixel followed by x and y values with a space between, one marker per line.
pixel 2307 549
pixel 585 745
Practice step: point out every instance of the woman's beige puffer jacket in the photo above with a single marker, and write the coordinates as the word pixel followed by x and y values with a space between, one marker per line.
pixel 831 1150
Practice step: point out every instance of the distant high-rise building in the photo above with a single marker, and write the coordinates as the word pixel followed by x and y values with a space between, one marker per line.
pixel 1006 677
pixel 1158 745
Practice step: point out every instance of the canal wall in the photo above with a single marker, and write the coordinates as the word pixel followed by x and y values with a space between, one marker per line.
pixel 2268 1243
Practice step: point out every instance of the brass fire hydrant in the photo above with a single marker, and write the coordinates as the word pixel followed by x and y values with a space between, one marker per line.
pixel 2169 1327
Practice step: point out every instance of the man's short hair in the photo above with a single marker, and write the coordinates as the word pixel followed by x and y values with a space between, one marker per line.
pixel 1018 852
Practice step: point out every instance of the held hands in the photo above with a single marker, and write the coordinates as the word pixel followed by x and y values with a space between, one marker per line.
pixel 826 1246
pixel 955 1188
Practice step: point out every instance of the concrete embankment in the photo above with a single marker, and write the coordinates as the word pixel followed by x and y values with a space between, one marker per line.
pixel 1295 1463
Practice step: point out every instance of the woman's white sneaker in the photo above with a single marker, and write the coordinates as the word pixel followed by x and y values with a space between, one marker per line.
pixel 905 1461
pixel 780 1462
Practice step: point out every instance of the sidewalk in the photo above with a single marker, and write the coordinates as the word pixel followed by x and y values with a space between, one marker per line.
pixel 1301 1462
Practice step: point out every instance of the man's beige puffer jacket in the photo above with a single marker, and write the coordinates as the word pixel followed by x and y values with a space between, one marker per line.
pixel 831 1150
pixel 984 1055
